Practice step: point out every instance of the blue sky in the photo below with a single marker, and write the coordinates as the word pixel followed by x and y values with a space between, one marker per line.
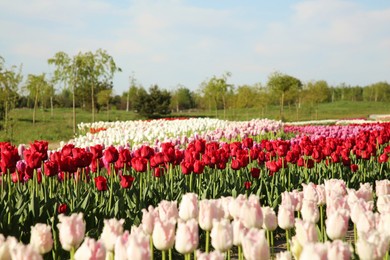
pixel 171 42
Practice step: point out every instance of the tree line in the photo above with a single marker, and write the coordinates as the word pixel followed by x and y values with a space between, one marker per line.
pixel 86 81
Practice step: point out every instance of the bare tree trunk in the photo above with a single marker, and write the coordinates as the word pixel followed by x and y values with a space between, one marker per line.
pixel 51 107
pixel 74 109
pixel 35 106
pixel 128 101
pixel 93 101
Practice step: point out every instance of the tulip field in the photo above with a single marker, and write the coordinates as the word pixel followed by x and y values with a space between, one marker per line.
pixel 194 188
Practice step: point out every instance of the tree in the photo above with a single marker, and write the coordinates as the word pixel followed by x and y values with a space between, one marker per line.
pixel 317 92
pixel 103 98
pixel 153 104
pixel 217 90
pixel 182 99
pixel 284 87
pixel 9 85
pixel 38 87
pixel 377 92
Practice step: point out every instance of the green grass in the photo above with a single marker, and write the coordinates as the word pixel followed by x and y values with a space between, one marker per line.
pixel 58 127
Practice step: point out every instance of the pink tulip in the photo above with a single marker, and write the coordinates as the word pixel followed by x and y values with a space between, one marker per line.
pixel 284 255
pixel 339 250
pixel 270 221
pixel 208 211
pixel 112 229
pixel 310 211
pixel 286 217
pixel 335 204
pixel 382 187
pixel 367 222
pixel 383 223
pixel 71 230
pixel 24 252
pixel 188 208
pixel 383 203
pixel 335 188
pixel 372 246
pixel 120 247
pixel 239 230
pixel 306 231
pixel 216 255
pixel 337 224
pixel 41 238
pixel 254 244
pixel 321 194
pixel 310 192
pixel 168 210
pixel 148 218
pixel 4 248
pixel 295 247
pixel 187 236
pixel 251 214
pixel 224 203
pixel 138 246
pixel 317 251
pixel 365 192
pixel 164 234
pixel 360 207
pixel 90 249
pixel 292 199
pixel 222 235
pixel 235 205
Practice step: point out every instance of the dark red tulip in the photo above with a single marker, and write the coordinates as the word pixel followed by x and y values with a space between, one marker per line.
pixel 139 164
pixel 383 158
pixel 255 172
pixel 97 151
pixel 33 158
pixel 158 172
pixel 111 154
pixel 247 185
pixel 126 181
pixel 354 167
pixel 62 208
pixel 8 158
pixel 247 143
pixel 101 183
pixel 146 152
pixel 51 168
pixel 198 167
pixel 236 165
pixel 67 150
pixel 200 145
pixel 186 167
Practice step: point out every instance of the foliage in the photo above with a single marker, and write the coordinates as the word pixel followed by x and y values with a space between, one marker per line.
pixel 182 99
pixel 153 104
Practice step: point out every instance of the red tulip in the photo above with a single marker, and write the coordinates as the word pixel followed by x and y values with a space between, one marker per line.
pixel 247 185
pixel 126 181
pixel 97 151
pixel 255 172
pixel 51 168
pixel 33 158
pixel 40 146
pixel 200 145
pixel 186 167
pixel 111 154
pixel 198 167
pixel 101 183
pixel 354 167
pixel 383 158
pixel 247 143
pixel 146 152
pixel 158 172
pixel 8 158
pixel 62 208
pixel 236 165
pixel 272 166
pixel 67 150
pixel 139 164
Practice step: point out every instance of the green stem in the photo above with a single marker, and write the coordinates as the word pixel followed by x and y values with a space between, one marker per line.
pixel 164 255
pixel 72 251
pixel 239 252
pixel 151 248
pixel 170 253
pixel 288 239
pixel 323 232
pixel 207 240
pixel 272 242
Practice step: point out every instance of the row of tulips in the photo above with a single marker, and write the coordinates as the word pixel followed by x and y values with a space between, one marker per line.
pixel 37 183
pixel 238 225
pixel 179 132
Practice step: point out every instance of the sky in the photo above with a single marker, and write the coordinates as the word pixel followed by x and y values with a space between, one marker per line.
pixel 182 42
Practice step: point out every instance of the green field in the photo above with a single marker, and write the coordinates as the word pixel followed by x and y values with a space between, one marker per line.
pixel 58 127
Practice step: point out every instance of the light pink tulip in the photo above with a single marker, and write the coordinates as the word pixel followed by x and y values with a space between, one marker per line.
pixel 383 203
pixel 335 204
pixel 164 234
pixel 382 187
pixel 4 248
pixel 112 229
pixel 188 208
pixel 222 235
pixel 168 210
pixel 295 247
pixel 310 211
pixel 215 255
pixel 292 199
pixel 208 211
pixel 251 214
pixel 187 236
pixel 224 203
pixel 254 244
pixel 284 255
pixel 321 194
pixel 24 252
pixel 120 247
pixel 339 250
pixel 235 205
pixel 314 251
pixel 148 218
pixel 335 188
pixel 90 249
pixel 138 246
pixel 71 230
pixel 360 207
pixel 310 192
pixel 337 224
pixel 365 192
pixel 239 230
pixel 270 221
pixel 367 222
pixel 306 232
pixel 286 217
pixel 41 238
pixel 372 246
